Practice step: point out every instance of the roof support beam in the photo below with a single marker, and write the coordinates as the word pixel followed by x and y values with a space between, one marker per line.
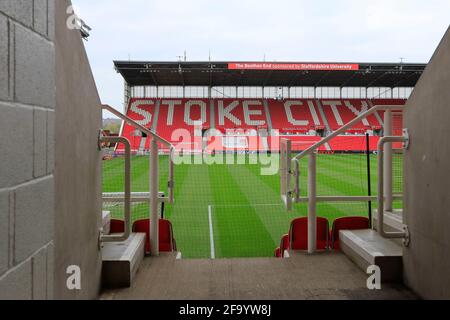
pixel 210 75
pixel 370 84
pixel 181 72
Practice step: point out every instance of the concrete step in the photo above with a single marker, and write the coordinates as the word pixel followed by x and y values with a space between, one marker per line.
pixel 121 260
pixel 367 247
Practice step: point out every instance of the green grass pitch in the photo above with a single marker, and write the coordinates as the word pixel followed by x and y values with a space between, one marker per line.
pixel 243 207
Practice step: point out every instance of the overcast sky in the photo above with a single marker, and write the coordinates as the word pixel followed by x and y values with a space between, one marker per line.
pixel 283 30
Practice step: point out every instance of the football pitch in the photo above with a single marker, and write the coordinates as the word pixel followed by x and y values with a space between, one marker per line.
pixel 231 210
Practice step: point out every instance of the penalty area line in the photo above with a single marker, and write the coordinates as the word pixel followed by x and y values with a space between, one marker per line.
pixel 211 233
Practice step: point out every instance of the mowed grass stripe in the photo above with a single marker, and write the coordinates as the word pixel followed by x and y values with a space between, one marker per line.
pixel 274 218
pixel 238 231
pixel 327 184
pixel 189 214
pixel 328 210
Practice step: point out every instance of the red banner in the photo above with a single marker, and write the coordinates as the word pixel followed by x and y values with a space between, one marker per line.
pixel 293 66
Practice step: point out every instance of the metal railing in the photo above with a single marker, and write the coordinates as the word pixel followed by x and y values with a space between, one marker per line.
pixel 292 169
pixel 381 188
pixel 127 195
pixel 153 195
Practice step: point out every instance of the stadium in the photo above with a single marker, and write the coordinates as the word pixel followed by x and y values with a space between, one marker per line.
pixel 227 140
pixel 226 180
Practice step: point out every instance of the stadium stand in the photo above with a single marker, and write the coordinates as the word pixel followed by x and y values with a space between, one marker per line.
pixel 246 141
pixel 180 116
pixel 141 111
pixel 299 143
pixel 353 143
pixel 239 114
pixel 239 123
pixel 294 116
pixel 397 119
pixel 340 112
pixel 182 113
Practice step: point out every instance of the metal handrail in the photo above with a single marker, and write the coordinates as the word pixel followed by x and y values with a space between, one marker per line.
pixel 347 198
pixel 138 126
pixel 136 197
pixel 380 196
pixel 312 198
pixel 170 183
pixel 347 126
pixel 313 148
pixel 154 192
pixel 126 234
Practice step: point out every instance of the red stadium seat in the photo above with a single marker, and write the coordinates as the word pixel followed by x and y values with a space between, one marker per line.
pixel 346 223
pixel 116 226
pixel 294 117
pixel 277 253
pixel 298 234
pixel 340 112
pixel 166 239
pixel 284 245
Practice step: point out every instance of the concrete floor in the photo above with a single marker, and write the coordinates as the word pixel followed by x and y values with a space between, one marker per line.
pixel 322 276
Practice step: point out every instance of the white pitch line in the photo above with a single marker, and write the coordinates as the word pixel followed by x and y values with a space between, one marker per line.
pixel 211 233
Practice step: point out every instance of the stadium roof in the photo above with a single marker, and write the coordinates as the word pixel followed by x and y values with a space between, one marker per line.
pixel 269 74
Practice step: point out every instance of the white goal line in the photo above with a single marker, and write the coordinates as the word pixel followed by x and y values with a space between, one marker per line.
pixel 211 233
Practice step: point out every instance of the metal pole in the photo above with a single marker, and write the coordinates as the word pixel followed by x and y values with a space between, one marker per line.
pixel 162 207
pixel 283 167
pixel 369 188
pixel 391 235
pixel 154 219
pixel 127 194
pixel 380 187
pixel 171 183
pixel 312 229
pixel 387 164
pixel 346 127
pixel 297 180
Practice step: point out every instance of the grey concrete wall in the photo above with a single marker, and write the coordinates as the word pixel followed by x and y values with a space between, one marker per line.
pixel 27 113
pixel 427 180
pixel 78 163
